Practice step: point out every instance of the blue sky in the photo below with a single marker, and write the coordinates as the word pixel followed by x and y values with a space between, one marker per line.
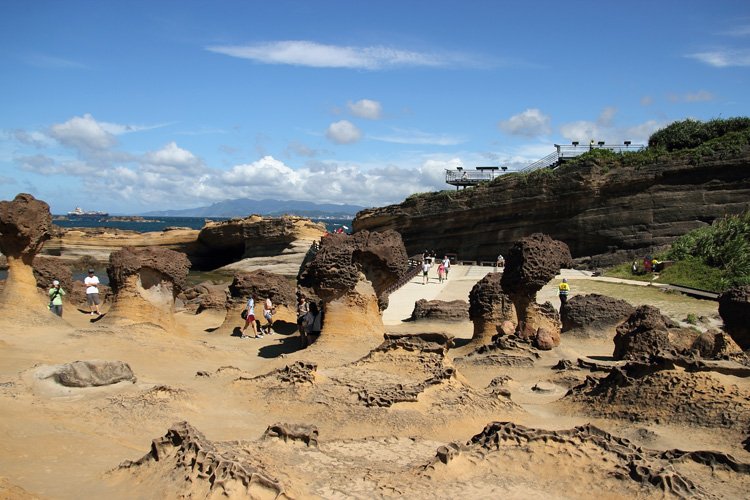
pixel 147 105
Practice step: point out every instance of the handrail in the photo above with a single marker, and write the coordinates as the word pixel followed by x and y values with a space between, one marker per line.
pixel 547 161
pixel 403 280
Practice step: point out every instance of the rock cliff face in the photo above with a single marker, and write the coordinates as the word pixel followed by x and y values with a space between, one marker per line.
pixel 599 207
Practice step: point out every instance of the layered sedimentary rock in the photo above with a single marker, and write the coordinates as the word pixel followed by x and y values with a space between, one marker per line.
pixel 351 274
pixel 25 225
pixel 145 282
pixel 598 207
pixel 440 310
pixel 278 245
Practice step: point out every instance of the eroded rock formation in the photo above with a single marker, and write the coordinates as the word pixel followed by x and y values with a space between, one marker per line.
pixel 25 225
pixel 351 275
pixel 579 204
pixel 734 308
pixel 489 307
pixel 594 314
pixel 145 282
pixel 93 373
pixel 440 310
pixel 643 335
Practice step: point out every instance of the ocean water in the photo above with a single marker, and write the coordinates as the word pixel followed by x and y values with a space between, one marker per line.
pixel 150 224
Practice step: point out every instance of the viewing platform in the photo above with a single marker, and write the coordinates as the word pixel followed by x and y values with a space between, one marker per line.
pixel 463 178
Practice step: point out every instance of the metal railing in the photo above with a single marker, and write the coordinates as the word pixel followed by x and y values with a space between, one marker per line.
pixel 469 177
pixel 564 152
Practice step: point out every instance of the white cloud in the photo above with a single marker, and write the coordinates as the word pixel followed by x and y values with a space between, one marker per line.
pixel 343 132
pixel 401 136
pixel 723 58
pixel 607 116
pixel 366 108
pixel 83 132
pixel 700 96
pixel 530 123
pixel 173 158
pixel 318 55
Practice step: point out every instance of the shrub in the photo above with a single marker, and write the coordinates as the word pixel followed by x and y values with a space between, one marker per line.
pixel 688 134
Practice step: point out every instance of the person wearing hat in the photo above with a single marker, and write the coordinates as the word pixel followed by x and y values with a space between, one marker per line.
pixel 92 293
pixel 55 298
pixel 563 290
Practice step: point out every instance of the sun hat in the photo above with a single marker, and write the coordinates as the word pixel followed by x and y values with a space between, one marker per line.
pixel 55 283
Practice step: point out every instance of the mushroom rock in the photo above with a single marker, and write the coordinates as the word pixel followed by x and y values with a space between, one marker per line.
pixel 145 282
pixel 531 263
pixel 25 225
pixel 489 307
pixel 352 274
pixel 734 309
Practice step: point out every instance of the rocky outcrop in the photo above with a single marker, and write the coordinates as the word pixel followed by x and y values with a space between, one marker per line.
pixel 598 206
pixel 734 308
pixel 278 245
pixel 489 306
pixel 203 297
pixel 25 225
pixel 306 434
pixel 351 274
pixel 531 263
pixel 440 310
pixel 145 282
pixel 594 314
pixel 642 336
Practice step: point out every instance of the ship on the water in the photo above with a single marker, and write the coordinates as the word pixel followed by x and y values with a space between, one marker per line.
pixel 80 213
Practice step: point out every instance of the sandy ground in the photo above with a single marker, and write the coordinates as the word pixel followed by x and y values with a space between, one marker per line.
pixel 58 442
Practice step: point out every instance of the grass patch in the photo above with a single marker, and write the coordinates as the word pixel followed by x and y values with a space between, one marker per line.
pixel 691 272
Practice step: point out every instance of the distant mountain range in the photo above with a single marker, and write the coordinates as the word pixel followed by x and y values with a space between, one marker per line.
pixel 245 206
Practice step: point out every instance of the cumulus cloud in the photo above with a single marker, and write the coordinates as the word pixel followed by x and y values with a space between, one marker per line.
pixel 83 132
pixel 723 58
pixel 172 159
pixel 604 129
pixel 343 132
pixel 530 123
pixel 607 116
pixel 318 55
pixel 366 108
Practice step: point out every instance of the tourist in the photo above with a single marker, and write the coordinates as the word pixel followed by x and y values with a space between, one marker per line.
pixel 563 291
pixel 92 293
pixel 313 323
pixel 250 319
pixel 425 271
pixel 446 265
pixel 268 315
pixel 55 298
pixel 302 309
pixel 500 261
pixel 441 272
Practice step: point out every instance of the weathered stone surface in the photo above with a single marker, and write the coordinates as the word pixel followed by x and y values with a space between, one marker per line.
pixel 644 334
pixel 440 310
pixel 532 262
pixel 307 434
pixel 546 339
pixel 734 308
pixel 47 269
pixel 714 345
pixel 594 312
pixel 204 296
pixel 93 373
pixel 581 205
pixel 489 306
pixel 25 225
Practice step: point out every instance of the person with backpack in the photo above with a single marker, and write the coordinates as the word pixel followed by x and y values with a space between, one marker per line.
pixel 55 298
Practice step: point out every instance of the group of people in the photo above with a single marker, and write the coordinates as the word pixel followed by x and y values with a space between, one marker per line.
pixel 443 268
pixel 309 319
pixel 250 321
pixel 56 293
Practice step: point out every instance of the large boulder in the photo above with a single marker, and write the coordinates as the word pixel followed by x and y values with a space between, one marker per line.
pixel 25 224
pixel 643 335
pixel 93 373
pixel 734 308
pixel 352 274
pixel 145 282
pixel 489 307
pixel 594 313
pixel 440 310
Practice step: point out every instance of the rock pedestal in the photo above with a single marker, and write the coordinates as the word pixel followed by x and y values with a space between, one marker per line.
pixel 25 225
pixel 489 307
pixel 145 282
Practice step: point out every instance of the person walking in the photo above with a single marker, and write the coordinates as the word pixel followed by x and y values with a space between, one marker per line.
pixel 250 319
pixel 268 315
pixel 425 271
pixel 313 323
pixel 92 293
pixel 446 265
pixel 441 272
pixel 563 290
pixel 55 298
pixel 302 309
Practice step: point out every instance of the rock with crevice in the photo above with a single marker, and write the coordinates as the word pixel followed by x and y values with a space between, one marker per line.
pixel 734 308
pixel 440 310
